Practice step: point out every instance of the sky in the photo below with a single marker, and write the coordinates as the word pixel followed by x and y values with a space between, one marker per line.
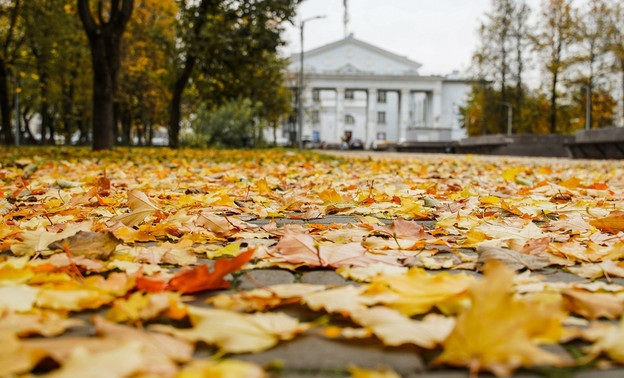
pixel 439 34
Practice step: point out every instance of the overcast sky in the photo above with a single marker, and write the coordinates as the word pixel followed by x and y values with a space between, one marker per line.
pixel 439 34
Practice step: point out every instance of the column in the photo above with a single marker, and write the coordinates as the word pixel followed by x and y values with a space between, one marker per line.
pixel 436 108
pixel 339 132
pixel 307 121
pixel 370 133
pixel 403 114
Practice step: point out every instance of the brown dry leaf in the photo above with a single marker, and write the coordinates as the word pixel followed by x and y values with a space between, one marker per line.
pixel 301 249
pixel 94 245
pixel 613 223
pixel 593 305
pixel 159 352
pixel 16 358
pixel 514 260
pixel 264 298
pixel 233 332
pixel 122 361
pixel 607 268
pixel 40 239
pixel 140 207
pixel 216 224
pixel 46 323
pixel 500 333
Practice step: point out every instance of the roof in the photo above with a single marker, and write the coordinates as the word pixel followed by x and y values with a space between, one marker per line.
pixel 351 40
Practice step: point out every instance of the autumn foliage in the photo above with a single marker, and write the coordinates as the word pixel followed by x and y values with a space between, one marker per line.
pixel 471 262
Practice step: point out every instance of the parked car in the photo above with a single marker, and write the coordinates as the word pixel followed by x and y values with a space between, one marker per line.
pixel 356 144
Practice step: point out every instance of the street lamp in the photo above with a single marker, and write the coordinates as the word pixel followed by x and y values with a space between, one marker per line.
pixel 588 90
pixel 509 115
pixel 300 91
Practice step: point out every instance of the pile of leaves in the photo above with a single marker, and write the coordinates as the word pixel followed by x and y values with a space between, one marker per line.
pixel 122 241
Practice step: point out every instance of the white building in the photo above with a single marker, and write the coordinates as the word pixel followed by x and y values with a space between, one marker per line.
pixel 354 90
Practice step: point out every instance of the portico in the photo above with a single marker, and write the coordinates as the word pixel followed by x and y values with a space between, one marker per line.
pixel 353 90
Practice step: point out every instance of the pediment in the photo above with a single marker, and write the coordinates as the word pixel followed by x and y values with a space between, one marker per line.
pixel 351 55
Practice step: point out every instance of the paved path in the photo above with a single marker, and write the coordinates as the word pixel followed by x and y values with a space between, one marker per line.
pixel 314 355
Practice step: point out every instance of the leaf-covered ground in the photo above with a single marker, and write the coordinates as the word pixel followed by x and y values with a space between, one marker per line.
pixel 466 260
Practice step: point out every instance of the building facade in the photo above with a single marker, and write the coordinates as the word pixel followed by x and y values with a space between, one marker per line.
pixel 356 91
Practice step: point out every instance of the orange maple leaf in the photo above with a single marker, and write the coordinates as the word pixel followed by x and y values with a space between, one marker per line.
pixel 200 278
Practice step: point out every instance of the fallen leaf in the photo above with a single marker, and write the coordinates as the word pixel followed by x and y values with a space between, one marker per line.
pixel 200 278
pixel 395 329
pixel 140 208
pixel 233 332
pixel 16 358
pixel 593 305
pixel 95 245
pixel 46 323
pixel 613 223
pixel 498 332
pixel 221 368
pixel 122 361
pixel 418 291
pixel 607 339
pixel 160 353
pixel 512 259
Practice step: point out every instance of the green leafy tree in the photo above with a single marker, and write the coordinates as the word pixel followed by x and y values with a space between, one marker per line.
pixel 221 40
pixel 235 124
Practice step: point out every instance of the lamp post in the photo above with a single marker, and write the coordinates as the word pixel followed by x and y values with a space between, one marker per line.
pixel 509 116
pixel 300 91
pixel 588 91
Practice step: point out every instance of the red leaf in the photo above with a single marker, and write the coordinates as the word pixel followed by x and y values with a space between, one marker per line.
pixel 200 278
pixel 150 285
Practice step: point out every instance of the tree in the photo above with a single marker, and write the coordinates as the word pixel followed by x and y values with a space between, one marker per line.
pixel 222 38
pixel 105 39
pixel 236 124
pixel 10 23
pixel 501 58
pixel 521 40
pixel 552 41
pixel 615 35
pixel 589 30
pixel 144 93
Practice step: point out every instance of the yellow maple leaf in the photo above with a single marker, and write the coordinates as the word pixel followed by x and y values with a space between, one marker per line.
pixel 419 291
pixel 221 369
pixel 498 332
pixel 330 195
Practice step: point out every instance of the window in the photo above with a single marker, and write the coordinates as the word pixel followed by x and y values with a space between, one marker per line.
pixel 381 136
pixel 381 97
pixel 316 118
pixel 381 118
pixel 349 95
pixel 316 95
pixel 349 120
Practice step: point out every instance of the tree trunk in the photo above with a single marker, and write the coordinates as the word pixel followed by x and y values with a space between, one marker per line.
pixel 105 41
pixel 622 99
pixel 553 104
pixel 103 98
pixel 5 107
pixel 175 111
